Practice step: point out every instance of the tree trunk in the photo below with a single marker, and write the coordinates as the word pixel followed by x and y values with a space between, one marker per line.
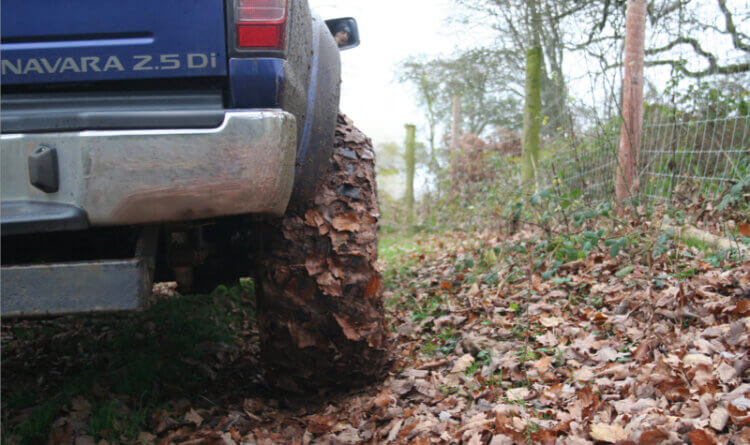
pixel 626 182
pixel 455 135
pixel 532 116
pixel 410 162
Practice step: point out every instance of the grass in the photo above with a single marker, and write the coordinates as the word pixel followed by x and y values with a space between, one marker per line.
pixel 138 362
pixel 699 244
pixel 392 247
pixel 400 253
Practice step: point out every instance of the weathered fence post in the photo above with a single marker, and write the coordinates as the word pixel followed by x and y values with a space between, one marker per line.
pixel 455 138
pixel 626 180
pixel 532 116
pixel 410 164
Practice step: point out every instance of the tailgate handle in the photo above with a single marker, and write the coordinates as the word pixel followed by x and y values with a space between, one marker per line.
pixel 44 173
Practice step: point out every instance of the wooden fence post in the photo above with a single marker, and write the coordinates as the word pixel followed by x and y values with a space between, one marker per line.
pixel 626 178
pixel 455 138
pixel 531 117
pixel 410 158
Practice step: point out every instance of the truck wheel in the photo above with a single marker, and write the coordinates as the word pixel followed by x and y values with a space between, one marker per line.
pixel 320 310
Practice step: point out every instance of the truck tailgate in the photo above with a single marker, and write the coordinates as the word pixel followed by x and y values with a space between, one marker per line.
pixel 95 40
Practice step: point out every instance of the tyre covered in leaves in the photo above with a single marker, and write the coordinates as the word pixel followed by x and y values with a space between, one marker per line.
pixel 320 308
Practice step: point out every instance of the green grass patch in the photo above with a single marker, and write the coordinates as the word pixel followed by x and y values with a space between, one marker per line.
pixel 697 243
pixel 393 249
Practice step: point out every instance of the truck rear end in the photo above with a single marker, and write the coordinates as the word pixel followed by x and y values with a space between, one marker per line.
pixel 125 125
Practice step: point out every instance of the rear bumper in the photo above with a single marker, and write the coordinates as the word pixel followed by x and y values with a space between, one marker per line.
pixel 246 165
pixel 63 288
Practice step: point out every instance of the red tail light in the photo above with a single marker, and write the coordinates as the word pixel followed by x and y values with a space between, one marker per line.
pixel 260 23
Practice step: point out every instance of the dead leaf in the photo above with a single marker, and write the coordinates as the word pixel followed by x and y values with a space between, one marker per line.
pixel 543 363
pixel 700 437
pixel 462 364
pixel 550 322
pixel 696 359
pixel 349 330
pixel 85 440
pixel 608 433
pixel 395 428
pixel 193 417
pixel 719 418
pixel 474 291
pixel 146 438
pixel 347 222
pixel 605 354
pixel 517 394
pixel 653 437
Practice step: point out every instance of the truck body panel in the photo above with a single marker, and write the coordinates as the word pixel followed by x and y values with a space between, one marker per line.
pixel 143 117
pixel 46 41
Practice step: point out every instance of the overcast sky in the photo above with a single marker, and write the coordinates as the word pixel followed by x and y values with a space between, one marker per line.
pixel 390 30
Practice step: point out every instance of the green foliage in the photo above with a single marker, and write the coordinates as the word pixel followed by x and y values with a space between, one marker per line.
pixel 736 196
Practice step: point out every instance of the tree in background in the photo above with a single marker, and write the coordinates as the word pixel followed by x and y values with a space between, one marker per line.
pixel 517 23
pixel 682 30
pixel 424 76
pixel 488 91
pixel 697 38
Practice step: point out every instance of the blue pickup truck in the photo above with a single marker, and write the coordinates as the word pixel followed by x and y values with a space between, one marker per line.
pixel 197 141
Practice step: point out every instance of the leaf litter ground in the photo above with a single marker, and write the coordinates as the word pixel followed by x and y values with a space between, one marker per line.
pixel 492 343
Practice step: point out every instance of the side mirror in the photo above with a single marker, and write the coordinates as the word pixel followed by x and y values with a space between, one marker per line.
pixel 345 32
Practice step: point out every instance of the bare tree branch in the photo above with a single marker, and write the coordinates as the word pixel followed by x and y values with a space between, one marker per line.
pixel 731 29
pixel 679 65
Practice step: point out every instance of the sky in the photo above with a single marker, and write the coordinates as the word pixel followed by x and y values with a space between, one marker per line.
pixel 390 31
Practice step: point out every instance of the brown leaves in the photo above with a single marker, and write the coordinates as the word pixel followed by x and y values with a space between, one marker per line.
pixel 446 286
pixel 608 433
pixel 459 367
pixel 701 437
pixel 320 424
pixel 744 229
pixel 373 286
pixel 642 353
pixel 315 219
pixel 514 360
pixel 192 416
pixel 348 222
pixel 585 403
pixel 653 437
pixel 349 330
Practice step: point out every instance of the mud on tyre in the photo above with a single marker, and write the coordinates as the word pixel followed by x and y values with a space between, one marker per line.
pixel 320 310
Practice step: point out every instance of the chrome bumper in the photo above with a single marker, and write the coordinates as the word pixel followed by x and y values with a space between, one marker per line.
pixel 246 165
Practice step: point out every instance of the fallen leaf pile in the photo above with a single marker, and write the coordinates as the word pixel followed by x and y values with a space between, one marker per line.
pixel 610 349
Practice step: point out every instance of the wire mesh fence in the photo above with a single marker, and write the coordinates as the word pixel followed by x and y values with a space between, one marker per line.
pixel 589 169
pixel 688 151
pixel 695 157
pixel 684 154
